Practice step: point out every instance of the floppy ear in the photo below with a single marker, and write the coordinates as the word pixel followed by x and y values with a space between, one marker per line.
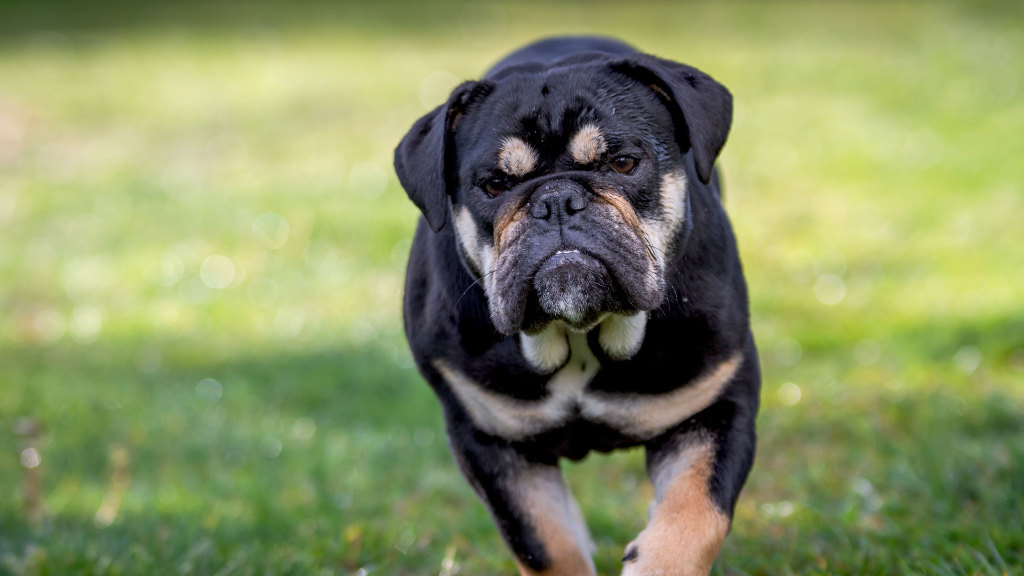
pixel 424 158
pixel 701 107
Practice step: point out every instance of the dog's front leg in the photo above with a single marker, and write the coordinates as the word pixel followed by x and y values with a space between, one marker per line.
pixel 697 470
pixel 529 502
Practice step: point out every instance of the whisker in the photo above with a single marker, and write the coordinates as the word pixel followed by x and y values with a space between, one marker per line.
pixel 466 291
pixel 674 290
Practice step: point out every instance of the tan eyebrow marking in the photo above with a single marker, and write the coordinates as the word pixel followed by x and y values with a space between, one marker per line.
pixel 587 145
pixel 516 157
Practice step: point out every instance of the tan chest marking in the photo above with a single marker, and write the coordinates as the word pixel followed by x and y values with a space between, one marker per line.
pixel 646 416
pixel 642 416
pixel 516 419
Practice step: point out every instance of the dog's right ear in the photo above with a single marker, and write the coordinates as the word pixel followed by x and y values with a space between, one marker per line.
pixel 701 107
pixel 424 159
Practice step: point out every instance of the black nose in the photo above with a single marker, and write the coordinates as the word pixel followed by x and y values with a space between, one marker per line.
pixel 558 200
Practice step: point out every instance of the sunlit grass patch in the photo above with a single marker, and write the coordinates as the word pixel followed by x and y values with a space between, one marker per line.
pixel 202 245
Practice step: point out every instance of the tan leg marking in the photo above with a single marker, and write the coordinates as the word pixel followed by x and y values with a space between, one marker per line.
pixel 686 529
pixel 556 517
pixel 517 419
pixel 587 146
pixel 516 157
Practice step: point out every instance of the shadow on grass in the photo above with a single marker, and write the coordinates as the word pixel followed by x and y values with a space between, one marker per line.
pixel 293 461
pixel 336 458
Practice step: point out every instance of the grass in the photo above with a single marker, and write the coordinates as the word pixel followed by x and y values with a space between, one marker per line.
pixel 201 254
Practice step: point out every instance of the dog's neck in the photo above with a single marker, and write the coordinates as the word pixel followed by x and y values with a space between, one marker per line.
pixel 619 335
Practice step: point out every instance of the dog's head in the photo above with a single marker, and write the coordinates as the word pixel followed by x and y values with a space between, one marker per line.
pixel 566 185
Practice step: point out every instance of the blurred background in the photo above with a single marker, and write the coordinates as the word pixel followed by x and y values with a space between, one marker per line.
pixel 202 246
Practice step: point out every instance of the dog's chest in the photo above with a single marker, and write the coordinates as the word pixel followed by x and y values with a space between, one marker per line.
pixel 569 402
pixel 567 388
pixel 567 399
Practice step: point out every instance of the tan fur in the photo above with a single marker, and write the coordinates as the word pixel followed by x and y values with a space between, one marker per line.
pixel 646 416
pixel 629 216
pixel 686 529
pixel 673 200
pixel 516 157
pixel 657 89
pixel 505 226
pixel 643 416
pixel 660 230
pixel 587 146
pixel 498 414
pixel 479 254
pixel 517 419
pixel 554 514
pixel 466 231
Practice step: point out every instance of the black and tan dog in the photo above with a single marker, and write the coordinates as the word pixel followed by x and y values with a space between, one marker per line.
pixel 574 285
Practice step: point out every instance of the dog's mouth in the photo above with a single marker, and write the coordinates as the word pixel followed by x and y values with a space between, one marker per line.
pixel 574 286
pixel 573 277
pixel 567 281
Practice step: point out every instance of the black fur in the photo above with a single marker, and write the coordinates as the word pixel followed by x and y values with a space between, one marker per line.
pixel 702 318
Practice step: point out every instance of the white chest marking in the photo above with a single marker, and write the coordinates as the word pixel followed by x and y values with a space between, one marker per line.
pixel 546 350
pixel 621 336
pixel 639 415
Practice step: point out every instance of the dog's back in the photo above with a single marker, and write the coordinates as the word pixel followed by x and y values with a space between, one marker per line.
pixel 543 53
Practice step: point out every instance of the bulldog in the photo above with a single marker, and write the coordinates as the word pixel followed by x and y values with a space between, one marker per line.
pixel 574 285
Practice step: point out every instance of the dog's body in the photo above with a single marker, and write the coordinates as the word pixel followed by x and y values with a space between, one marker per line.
pixel 574 285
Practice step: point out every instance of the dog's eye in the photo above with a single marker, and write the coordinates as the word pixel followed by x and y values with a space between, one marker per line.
pixel 495 186
pixel 624 164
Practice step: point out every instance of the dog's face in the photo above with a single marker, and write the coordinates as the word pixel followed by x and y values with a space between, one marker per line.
pixel 569 190
pixel 566 188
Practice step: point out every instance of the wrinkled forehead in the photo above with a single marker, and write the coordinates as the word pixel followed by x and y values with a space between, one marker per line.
pixel 549 115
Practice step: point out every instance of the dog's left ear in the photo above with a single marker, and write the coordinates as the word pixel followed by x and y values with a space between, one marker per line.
pixel 424 159
pixel 701 107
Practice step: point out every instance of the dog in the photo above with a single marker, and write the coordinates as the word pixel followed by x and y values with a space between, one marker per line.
pixel 574 285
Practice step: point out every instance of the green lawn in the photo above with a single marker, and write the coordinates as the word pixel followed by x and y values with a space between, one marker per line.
pixel 202 245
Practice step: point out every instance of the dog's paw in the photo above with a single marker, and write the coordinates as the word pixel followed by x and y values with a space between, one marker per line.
pixel 657 553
